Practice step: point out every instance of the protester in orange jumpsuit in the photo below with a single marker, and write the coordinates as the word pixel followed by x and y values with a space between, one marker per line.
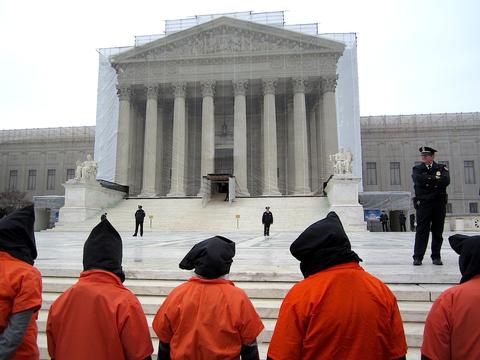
pixel 339 311
pixel 20 286
pixel 452 328
pixel 208 317
pixel 99 318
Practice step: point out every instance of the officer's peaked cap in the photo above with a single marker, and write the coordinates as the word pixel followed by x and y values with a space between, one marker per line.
pixel 426 150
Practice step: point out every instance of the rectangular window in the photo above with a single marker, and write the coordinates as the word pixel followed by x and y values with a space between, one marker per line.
pixel 32 179
pixel 449 208
pixel 51 179
pixel 70 174
pixel 473 208
pixel 395 173
pixel 469 171
pixel 371 173
pixel 12 182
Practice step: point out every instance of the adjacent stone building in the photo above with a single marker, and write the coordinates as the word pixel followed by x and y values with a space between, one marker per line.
pixel 390 150
pixel 38 161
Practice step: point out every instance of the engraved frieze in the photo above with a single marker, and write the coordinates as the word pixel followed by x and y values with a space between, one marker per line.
pixel 229 40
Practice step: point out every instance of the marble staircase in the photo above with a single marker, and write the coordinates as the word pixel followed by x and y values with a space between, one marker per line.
pixel 151 289
pixel 188 214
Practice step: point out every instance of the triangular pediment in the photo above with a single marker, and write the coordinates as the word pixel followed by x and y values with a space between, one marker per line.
pixel 228 36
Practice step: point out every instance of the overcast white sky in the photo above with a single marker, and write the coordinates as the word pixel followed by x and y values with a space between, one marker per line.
pixel 414 56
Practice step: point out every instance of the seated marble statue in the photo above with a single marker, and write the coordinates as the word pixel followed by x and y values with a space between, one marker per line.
pixel 89 170
pixel 342 162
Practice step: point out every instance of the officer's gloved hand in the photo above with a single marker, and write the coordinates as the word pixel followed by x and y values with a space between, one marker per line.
pixel 416 204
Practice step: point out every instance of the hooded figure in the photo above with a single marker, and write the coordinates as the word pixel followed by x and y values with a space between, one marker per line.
pixel 20 286
pixel 208 317
pixel 16 234
pixel 108 317
pixel 322 245
pixel 103 250
pixel 210 258
pixel 451 329
pixel 468 247
pixel 339 311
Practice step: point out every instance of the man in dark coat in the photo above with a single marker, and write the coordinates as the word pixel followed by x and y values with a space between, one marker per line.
pixel 430 181
pixel 139 217
pixel 403 221
pixel 384 220
pixel 267 220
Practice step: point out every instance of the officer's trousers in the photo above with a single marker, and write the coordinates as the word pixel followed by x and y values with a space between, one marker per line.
pixel 430 217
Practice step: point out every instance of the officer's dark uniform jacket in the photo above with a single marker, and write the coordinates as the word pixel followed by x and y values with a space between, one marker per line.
pixel 430 185
pixel 267 218
pixel 139 215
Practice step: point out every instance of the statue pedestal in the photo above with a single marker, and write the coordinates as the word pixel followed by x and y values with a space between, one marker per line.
pixel 342 193
pixel 86 199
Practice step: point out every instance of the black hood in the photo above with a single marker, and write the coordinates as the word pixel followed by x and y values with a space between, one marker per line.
pixel 210 258
pixel 16 234
pixel 103 250
pixel 468 247
pixel 322 245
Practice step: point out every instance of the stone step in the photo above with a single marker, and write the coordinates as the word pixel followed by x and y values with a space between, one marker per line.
pixel 254 289
pixel 188 214
pixel 266 308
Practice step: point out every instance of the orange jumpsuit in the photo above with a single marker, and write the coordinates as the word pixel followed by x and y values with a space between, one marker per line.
pixel 452 329
pixel 20 290
pixel 98 318
pixel 206 319
pixel 341 312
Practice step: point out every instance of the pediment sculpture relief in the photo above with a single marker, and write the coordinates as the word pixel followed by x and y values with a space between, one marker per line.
pixel 228 40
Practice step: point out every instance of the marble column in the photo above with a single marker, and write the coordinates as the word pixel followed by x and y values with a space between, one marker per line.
pixel 208 128
pixel 240 138
pixel 312 121
pixel 329 117
pixel 177 185
pixel 290 147
pixel 150 143
pixel 321 157
pixel 123 138
pixel 302 176
pixel 270 179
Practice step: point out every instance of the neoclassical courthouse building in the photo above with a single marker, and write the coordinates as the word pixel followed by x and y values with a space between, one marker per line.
pixel 244 95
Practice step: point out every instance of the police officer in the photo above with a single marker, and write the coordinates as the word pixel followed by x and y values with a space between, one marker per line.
pixel 267 220
pixel 430 181
pixel 139 217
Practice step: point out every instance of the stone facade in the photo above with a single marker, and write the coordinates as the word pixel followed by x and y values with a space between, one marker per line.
pixel 39 161
pixel 455 135
pixel 390 149
pixel 227 96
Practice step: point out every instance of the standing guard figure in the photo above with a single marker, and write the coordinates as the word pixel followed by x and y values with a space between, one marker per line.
pixel 430 181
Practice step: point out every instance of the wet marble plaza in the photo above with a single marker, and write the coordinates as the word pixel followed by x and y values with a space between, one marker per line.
pixel 386 255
